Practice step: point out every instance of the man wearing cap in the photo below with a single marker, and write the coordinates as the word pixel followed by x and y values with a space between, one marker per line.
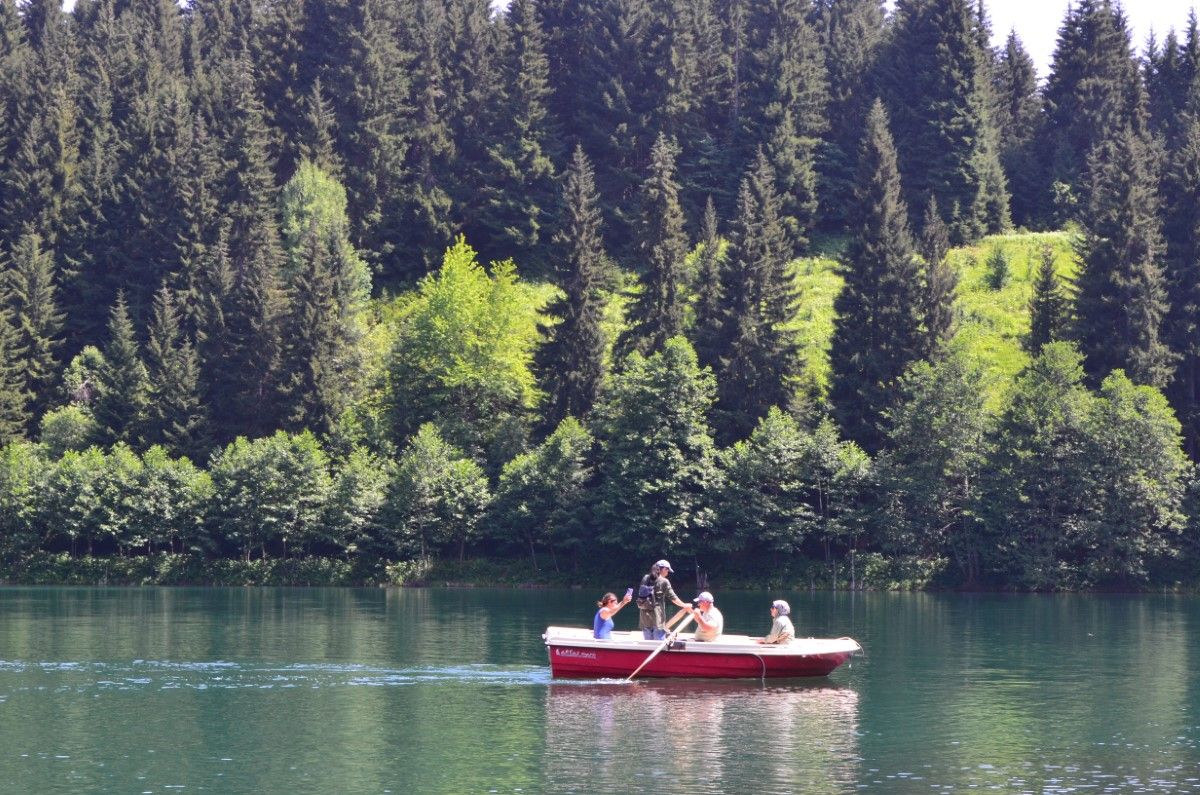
pixel 709 621
pixel 652 612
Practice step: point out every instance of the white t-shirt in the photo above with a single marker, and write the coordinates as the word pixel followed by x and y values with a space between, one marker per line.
pixel 713 617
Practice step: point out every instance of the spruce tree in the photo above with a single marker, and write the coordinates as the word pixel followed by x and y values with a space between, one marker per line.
pixel 656 314
pixel 16 62
pixel 1122 301
pixel 852 32
pixel 1094 88
pixel 318 131
pixel 519 193
pixel 570 364
pixel 941 280
pixel 1018 114
pixel 124 389
pixel 36 320
pixel 938 84
pixel 878 326
pixel 709 306
pixel 1049 309
pixel 175 417
pixel 14 417
pixel 757 356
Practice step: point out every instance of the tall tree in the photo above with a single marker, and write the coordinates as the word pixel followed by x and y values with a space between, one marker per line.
pixel 757 359
pixel 175 417
pixel 123 388
pixel 1018 115
pixel 570 364
pixel 938 84
pixel 877 331
pixel 941 280
pixel 709 306
pixel 1049 309
pixel 36 319
pixel 656 314
pixel 14 416
pixel 1122 299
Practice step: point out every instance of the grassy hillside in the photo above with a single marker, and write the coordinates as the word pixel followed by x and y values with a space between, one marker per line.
pixel 993 320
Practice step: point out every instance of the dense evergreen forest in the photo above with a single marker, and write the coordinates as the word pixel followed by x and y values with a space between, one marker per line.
pixel 762 285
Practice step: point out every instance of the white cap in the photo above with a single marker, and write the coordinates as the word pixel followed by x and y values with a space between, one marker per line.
pixel 704 596
pixel 662 564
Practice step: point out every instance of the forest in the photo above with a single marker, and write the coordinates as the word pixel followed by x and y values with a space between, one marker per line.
pixel 805 287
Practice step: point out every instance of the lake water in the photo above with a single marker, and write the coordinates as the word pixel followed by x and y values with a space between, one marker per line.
pixel 448 691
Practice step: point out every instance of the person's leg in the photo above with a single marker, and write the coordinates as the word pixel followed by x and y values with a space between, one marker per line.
pixel 648 633
pixel 660 634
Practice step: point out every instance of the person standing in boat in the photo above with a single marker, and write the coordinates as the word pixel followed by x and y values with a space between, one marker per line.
pixel 654 593
pixel 782 630
pixel 602 624
pixel 709 621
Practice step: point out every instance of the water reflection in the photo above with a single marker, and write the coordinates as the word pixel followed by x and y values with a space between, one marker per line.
pixel 701 736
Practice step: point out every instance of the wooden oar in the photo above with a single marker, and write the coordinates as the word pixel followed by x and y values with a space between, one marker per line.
pixel 675 618
pixel 661 646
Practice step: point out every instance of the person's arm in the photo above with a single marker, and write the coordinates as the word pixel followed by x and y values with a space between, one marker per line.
pixel 669 593
pixel 773 636
pixel 607 612
pixel 703 621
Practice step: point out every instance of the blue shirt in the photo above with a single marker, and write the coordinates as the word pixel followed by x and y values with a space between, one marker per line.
pixel 601 627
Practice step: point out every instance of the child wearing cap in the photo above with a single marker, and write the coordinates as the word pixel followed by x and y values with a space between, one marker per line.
pixel 782 630
pixel 709 621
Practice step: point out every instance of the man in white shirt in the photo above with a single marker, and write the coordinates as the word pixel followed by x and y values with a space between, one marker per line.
pixel 709 621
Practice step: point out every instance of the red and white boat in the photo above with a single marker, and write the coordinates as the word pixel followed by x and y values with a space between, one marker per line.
pixel 575 654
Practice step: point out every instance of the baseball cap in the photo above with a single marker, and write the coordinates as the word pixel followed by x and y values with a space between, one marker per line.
pixel 662 564
pixel 704 596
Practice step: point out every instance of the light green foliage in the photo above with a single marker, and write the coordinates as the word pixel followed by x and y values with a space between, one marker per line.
pixel 356 500
pixel 167 508
pixel 657 461
pixel 314 199
pixel 817 284
pixel 116 489
pixel 71 507
pixel 23 473
pixel 462 355
pixel 541 496
pixel 70 427
pixel 437 497
pixel 81 380
pixel 269 490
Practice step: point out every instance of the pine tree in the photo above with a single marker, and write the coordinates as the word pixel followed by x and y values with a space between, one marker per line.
pixel 852 32
pixel 1049 309
pixel 941 280
pixel 36 321
pixel 657 312
pixel 877 331
pixel 519 193
pixel 571 362
pixel 15 65
pixel 938 83
pixel 1122 300
pixel 757 355
pixel 14 417
pixel 1181 229
pixel 1094 88
pixel 709 305
pixel 1017 119
pixel 318 132
pixel 175 417
pixel 124 388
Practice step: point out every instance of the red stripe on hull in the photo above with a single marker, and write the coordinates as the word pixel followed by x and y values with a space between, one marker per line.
pixel 568 662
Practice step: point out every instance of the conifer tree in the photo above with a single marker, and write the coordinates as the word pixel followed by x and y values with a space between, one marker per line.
pixel 175 416
pixel 124 389
pixel 14 418
pixel 36 321
pixel 1122 301
pixel 318 131
pixel 1181 229
pixel 519 195
pixel 941 280
pixel 1093 89
pixel 1049 309
pixel 709 305
pixel 852 32
pixel 938 84
pixel 878 327
pixel 757 355
pixel 570 364
pixel 1018 114
pixel 657 312
pixel 15 65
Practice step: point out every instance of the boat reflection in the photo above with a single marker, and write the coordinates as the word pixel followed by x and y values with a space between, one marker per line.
pixel 702 736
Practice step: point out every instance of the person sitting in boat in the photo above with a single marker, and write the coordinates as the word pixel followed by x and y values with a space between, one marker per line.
pixel 602 624
pixel 709 621
pixel 654 593
pixel 782 630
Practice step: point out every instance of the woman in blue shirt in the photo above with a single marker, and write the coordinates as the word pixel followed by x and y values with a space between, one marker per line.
pixel 602 624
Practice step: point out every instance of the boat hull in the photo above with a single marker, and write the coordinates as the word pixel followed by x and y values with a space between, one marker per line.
pixel 575 655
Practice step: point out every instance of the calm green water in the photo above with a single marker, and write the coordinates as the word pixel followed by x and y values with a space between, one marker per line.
pixel 448 691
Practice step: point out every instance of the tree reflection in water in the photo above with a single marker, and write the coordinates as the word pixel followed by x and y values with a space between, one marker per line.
pixel 701 736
